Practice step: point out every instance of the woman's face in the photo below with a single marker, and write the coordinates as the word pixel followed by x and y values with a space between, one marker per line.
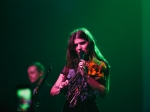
pixel 81 44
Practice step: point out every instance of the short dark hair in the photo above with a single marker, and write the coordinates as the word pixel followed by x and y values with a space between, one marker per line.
pixel 39 66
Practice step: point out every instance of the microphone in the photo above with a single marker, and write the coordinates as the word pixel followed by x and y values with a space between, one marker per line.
pixel 82 68
pixel 81 54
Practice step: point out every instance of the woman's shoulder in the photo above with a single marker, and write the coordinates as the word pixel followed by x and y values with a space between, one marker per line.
pixel 98 65
pixel 99 62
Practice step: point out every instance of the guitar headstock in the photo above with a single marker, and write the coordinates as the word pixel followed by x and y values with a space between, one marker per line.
pixel 50 68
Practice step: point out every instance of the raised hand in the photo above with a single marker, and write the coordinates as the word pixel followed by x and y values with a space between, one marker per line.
pixel 82 67
pixel 63 84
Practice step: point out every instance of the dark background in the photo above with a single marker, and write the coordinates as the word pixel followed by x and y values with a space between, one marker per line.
pixel 37 30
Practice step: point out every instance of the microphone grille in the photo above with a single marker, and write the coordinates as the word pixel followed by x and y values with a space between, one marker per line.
pixel 81 54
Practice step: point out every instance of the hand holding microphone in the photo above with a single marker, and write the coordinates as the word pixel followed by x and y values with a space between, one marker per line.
pixel 82 64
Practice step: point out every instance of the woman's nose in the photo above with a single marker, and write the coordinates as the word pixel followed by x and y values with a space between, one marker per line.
pixel 79 47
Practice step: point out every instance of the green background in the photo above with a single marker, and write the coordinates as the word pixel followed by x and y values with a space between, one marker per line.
pixel 37 30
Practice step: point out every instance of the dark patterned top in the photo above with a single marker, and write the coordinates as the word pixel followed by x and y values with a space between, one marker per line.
pixel 78 89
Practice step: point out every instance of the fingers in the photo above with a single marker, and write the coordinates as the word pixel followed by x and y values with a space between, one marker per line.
pixel 63 84
pixel 82 67
pixel 66 82
pixel 81 64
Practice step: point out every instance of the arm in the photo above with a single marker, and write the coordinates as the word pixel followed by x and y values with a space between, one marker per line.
pixel 97 86
pixel 55 90
pixel 92 82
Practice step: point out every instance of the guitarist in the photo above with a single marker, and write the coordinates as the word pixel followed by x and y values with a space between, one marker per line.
pixel 42 101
